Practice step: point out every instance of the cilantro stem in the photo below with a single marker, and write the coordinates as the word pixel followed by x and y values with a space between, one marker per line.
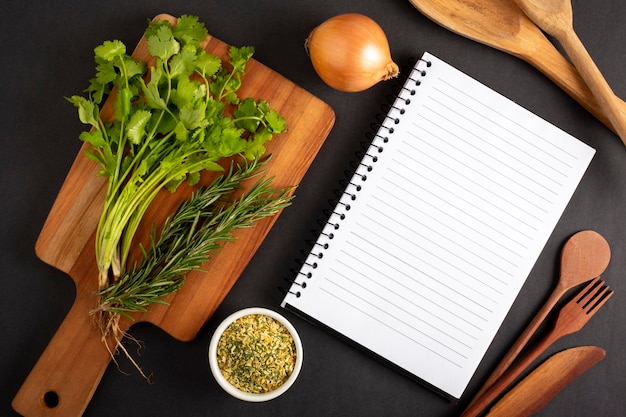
pixel 255 118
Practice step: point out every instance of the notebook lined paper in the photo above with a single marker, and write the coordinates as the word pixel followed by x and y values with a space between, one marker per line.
pixel 440 226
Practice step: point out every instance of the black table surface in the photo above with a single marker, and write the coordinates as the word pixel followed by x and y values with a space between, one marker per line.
pixel 48 55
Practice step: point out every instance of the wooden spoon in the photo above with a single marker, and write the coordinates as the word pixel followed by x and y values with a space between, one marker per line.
pixel 555 17
pixel 502 25
pixel 584 256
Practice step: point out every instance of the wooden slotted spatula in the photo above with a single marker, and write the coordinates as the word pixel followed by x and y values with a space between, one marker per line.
pixel 502 25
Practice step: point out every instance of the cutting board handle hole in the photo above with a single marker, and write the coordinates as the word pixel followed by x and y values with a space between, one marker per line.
pixel 51 399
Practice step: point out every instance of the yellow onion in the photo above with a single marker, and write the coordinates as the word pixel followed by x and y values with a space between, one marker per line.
pixel 350 52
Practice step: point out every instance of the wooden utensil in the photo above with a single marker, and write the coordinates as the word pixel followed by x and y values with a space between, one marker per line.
pixel 584 256
pixel 555 17
pixel 572 317
pixel 535 391
pixel 67 373
pixel 502 25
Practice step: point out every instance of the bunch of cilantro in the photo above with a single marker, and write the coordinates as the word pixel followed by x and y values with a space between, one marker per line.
pixel 170 122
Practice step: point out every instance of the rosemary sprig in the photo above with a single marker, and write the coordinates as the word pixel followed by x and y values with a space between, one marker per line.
pixel 190 237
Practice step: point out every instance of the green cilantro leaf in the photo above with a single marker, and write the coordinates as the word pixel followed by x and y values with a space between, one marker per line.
pixel 239 57
pixel 100 151
pixel 193 178
pixel 263 106
pixel 136 128
pixel 90 154
pixel 209 165
pixel 224 139
pixel 231 142
pixel 214 110
pixel 105 73
pixel 183 63
pixel 181 132
pixel 207 64
pixel 190 30
pixel 175 181
pixel 247 115
pixel 87 110
pixel 134 67
pixel 193 117
pixel 187 92
pixel 110 50
pixel 256 147
pixel 97 90
pixel 151 90
pixel 167 123
pixel 224 87
pixel 162 44
pixel 275 122
pixel 94 138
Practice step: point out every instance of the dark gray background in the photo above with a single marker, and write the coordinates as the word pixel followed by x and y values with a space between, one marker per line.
pixel 47 50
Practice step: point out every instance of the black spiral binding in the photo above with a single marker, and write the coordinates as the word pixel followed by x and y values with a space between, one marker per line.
pixel 381 133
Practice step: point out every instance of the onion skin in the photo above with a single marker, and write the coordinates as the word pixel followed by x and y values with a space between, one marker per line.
pixel 350 53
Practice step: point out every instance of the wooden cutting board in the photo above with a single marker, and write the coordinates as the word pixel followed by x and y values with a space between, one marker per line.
pixel 68 372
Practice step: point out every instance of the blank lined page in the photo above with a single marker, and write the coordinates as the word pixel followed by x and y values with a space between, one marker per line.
pixel 440 226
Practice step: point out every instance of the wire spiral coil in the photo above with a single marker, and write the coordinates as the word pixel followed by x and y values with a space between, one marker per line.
pixel 380 135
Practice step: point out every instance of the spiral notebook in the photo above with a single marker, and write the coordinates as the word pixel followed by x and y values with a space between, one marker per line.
pixel 439 227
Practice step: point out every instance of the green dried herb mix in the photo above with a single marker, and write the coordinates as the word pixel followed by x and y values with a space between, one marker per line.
pixel 256 353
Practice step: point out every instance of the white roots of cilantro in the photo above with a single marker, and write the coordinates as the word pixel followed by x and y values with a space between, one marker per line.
pixel 113 336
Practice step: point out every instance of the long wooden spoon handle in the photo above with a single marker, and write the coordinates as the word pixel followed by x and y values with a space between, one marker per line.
pixel 596 81
pixel 550 62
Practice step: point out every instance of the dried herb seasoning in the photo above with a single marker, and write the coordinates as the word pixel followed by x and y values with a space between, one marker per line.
pixel 256 353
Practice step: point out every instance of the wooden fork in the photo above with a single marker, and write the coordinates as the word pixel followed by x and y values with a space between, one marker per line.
pixel 572 317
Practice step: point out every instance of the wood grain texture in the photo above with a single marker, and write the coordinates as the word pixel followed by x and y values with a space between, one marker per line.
pixel 571 318
pixel 585 256
pixel 502 25
pixel 536 390
pixel 72 365
pixel 555 17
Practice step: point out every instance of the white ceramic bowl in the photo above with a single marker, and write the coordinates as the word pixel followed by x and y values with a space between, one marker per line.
pixel 232 390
